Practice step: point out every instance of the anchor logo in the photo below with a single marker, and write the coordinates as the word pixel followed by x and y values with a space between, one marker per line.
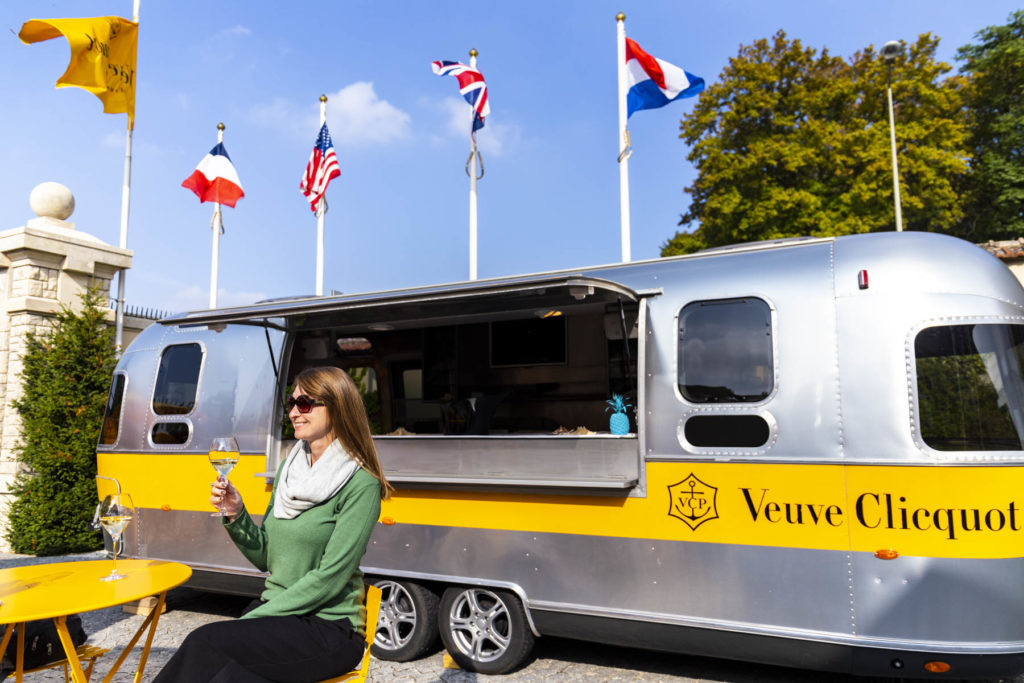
pixel 692 501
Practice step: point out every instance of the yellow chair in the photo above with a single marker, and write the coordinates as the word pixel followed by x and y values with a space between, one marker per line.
pixel 87 655
pixel 372 602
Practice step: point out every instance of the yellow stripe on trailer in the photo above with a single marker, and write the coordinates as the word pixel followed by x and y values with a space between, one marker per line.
pixel 934 511
pixel 180 481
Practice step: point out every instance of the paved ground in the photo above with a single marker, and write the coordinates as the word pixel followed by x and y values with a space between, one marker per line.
pixel 555 659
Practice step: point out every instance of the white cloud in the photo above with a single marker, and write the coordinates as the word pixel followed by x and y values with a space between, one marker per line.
pixel 116 140
pixel 222 46
pixel 279 113
pixel 237 30
pixel 494 138
pixel 356 115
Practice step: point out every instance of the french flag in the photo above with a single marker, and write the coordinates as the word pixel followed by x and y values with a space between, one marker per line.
pixel 653 83
pixel 215 178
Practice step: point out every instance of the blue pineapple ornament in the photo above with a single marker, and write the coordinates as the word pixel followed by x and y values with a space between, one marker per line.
pixel 619 421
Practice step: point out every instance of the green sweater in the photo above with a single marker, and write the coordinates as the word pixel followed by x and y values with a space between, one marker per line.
pixel 313 559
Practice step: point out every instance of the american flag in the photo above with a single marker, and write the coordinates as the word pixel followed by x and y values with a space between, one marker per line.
pixel 321 169
pixel 472 87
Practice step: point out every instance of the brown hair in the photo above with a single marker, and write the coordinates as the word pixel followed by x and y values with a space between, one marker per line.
pixel 347 414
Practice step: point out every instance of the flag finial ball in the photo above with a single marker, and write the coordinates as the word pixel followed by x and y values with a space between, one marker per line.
pixel 473 52
pixel 220 126
pixel 323 98
pixel 621 16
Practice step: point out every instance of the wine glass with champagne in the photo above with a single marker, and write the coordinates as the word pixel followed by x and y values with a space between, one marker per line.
pixel 116 511
pixel 223 457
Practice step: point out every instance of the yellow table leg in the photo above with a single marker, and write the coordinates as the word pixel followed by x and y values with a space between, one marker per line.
pixel 150 621
pixel 19 669
pixel 3 646
pixel 70 650
pixel 7 638
pixel 149 637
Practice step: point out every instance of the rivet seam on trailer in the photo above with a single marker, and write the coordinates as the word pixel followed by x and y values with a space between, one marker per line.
pixel 853 605
pixel 835 351
pixel 911 368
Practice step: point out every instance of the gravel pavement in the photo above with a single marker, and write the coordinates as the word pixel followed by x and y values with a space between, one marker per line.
pixel 555 659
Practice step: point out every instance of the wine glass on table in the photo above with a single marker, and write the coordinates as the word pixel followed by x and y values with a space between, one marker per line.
pixel 116 511
pixel 223 457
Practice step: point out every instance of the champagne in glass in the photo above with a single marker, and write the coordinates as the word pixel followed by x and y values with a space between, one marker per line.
pixel 116 511
pixel 223 457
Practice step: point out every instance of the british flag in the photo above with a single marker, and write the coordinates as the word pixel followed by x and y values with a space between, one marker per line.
pixel 471 85
pixel 321 169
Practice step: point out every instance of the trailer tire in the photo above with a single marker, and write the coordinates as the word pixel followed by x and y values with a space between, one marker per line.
pixel 484 630
pixel 407 624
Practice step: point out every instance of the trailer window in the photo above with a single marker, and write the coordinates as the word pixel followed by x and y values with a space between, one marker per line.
pixel 725 351
pixel 495 373
pixel 177 380
pixel 533 341
pixel 170 433
pixel 365 378
pixel 727 431
pixel 112 411
pixel 970 390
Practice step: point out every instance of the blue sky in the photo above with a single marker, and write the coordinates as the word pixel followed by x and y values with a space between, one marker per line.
pixel 399 212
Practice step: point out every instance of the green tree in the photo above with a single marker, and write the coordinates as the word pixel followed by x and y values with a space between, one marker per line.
pixel 65 380
pixel 791 141
pixel 994 190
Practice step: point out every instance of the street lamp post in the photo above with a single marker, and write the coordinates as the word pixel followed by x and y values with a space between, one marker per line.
pixel 890 51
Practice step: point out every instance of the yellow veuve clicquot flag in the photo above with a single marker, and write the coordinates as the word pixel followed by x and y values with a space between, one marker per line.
pixel 102 57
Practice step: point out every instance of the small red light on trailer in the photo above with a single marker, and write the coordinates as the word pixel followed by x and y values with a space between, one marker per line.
pixel 886 554
pixel 862 279
pixel 387 521
pixel 937 667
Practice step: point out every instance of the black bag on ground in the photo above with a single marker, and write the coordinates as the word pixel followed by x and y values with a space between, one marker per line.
pixel 42 644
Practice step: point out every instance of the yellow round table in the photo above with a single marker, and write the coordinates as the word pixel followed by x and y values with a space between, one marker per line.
pixel 54 591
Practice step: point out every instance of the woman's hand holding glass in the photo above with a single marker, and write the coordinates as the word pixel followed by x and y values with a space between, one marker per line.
pixel 223 457
pixel 225 497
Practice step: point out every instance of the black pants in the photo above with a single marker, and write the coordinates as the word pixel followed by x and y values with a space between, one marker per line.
pixel 281 649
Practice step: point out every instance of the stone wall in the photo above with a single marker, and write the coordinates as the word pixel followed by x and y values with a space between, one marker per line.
pixel 44 265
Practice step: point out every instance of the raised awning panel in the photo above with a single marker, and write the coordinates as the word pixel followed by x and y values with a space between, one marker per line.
pixel 451 303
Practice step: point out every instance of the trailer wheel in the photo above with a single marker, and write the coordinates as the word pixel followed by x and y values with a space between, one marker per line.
pixel 407 623
pixel 485 630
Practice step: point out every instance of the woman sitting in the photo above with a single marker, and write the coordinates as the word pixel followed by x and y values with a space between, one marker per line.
pixel 309 623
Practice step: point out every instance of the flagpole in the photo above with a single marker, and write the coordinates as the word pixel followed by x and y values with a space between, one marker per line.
pixel 624 147
pixel 217 223
pixel 126 192
pixel 472 181
pixel 320 211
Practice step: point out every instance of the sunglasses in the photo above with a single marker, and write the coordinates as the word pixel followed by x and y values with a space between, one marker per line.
pixel 302 402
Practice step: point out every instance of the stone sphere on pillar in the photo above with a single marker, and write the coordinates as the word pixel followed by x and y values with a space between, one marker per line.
pixel 52 200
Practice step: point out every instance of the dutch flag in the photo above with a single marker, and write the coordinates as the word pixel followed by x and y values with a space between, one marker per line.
pixel 653 83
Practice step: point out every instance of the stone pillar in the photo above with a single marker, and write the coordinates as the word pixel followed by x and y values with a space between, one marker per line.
pixel 44 265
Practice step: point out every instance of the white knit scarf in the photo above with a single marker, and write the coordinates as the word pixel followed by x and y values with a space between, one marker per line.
pixel 303 485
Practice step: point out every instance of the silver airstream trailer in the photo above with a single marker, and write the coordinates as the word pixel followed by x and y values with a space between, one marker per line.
pixel 822 467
